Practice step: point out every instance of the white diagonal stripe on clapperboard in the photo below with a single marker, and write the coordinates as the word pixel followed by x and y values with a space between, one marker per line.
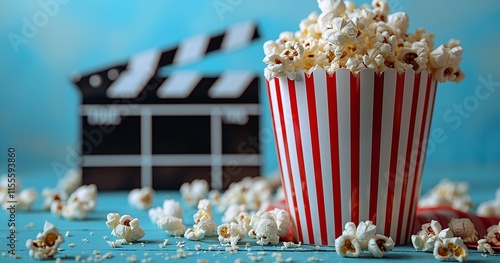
pixel 144 66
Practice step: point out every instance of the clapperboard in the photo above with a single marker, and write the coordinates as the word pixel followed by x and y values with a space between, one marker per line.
pixel 140 128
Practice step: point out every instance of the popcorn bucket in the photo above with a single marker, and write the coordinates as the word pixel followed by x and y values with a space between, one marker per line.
pixel 351 148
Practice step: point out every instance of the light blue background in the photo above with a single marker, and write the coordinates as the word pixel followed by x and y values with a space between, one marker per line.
pixel 39 105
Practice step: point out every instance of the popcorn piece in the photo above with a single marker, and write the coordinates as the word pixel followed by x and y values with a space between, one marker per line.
pixel 365 232
pixel 484 247
pixel 85 194
pixel 193 192
pixel 124 227
pixel 172 225
pixel 141 198
pixel 425 239
pixel 379 245
pixel 46 244
pixel 52 195
pixel 282 219
pixel 170 208
pixel 493 235
pixel 490 208
pixel 230 233
pixel 463 228
pixel 264 229
pixel 347 246
pixel 71 180
pixel 232 212
pixel 204 223
pixel 26 199
pixel 451 248
pixel 336 6
pixel 254 193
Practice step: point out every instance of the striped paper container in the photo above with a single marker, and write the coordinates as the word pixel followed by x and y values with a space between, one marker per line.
pixel 351 148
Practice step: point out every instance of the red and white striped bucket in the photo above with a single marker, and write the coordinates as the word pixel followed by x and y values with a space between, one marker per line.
pixel 351 148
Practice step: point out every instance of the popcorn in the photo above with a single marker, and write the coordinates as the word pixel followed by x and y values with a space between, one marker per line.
pixel 193 192
pixel 232 212
pixel 347 246
pixel 124 227
pixel 265 231
pixel 254 193
pixel 52 195
pixel 71 180
pixel 170 208
pixel 204 223
pixel 449 194
pixel 484 247
pixel 25 198
pixel 342 37
pixel 431 232
pixel 463 228
pixel 379 245
pixel 493 235
pixel 78 205
pixel 282 219
pixel 451 248
pixel 230 233
pixel 172 225
pixel 490 208
pixel 141 198
pixel 46 244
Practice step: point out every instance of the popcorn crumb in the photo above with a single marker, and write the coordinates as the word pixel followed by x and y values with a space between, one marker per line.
pixel 105 237
pixel 58 260
pixel 67 234
pixel 132 259
pixel 202 261
pixel 314 259
pixel 29 225
pixel 71 245
pixel 197 247
pixel 91 233
pixel 85 240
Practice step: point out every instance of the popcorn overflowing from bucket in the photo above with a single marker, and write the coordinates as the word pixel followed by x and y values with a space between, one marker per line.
pixel 344 36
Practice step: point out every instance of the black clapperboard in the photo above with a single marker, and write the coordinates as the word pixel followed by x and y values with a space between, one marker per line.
pixel 143 129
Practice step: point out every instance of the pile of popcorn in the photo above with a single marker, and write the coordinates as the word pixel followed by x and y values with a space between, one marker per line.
pixel 448 194
pixel 355 239
pixel 345 36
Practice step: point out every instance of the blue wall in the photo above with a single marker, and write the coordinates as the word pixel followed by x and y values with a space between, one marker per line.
pixel 39 104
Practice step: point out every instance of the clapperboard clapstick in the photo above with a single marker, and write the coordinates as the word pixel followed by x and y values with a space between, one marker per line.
pixel 140 128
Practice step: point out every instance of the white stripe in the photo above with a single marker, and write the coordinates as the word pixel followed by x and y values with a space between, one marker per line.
pixel 238 35
pixel 172 110
pixel 146 148
pixel 281 149
pixel 322 105
pixel 297 182
pixel 365 142
pixel 306 137
pixel 179 84
pixel 140 70
pixel 385 146
pixel 191 49
pixel 405 130
pixel 172 160
pixel 344 113
pixel 216 149
pixel 231 84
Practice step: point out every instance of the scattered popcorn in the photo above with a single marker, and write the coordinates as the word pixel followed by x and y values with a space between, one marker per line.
pixel 170 207
pixel 493 235
pixel 172 225
pixel 490 208
pixel 255 193
pixel 449 194
pixel 463 228
pixel 71 180
pixel 25 198
pixel 77 206
pixel 230 233
pixel 484 247
pixel 116 243
pixel 141 198
pixel 344 36
pixel 291 245
pixel 124 227
pixel 193 192
pixel 46 244
pixel 355 239
pixel 451 248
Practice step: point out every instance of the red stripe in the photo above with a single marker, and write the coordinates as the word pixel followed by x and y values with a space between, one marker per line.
pixel 409 145
pixel 276 142
pixel 318 173
pixel 300 156
pixel 355 119
pixel 287 154
pixel 333 121
pixel 396 129
pixel 378 97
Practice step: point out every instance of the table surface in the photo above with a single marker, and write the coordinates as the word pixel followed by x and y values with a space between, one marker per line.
pixel 89 238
